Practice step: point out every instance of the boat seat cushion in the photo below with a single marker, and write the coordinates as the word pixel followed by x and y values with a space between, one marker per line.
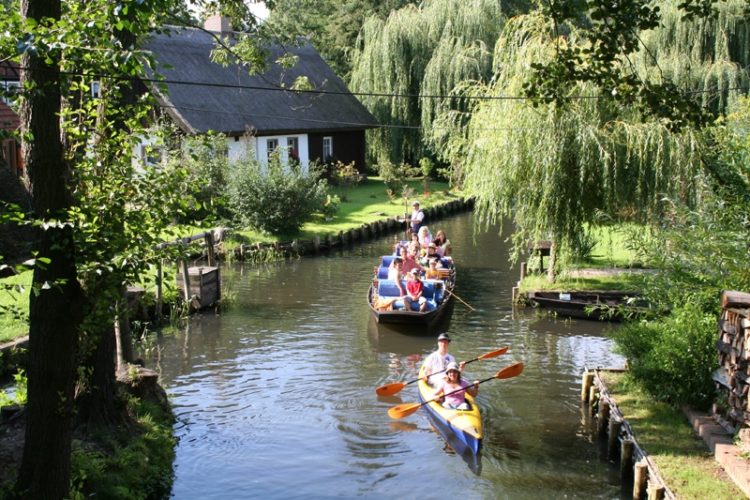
pixel 383 272
pixel 432 291
pixel 386 260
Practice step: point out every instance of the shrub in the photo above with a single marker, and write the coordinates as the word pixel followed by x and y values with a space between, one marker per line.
pixel 205 160
pixel 395 175
pixel 331 206
pixel 673 358
pixel 274 199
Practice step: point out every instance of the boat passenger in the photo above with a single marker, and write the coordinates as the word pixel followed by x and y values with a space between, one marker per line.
pixel 431 272
pixel 414 298
pixel 425 238
pixel 430 255
pixel 436 363
pixel 410 262
pixel 414 245
pixel 396 274
pixel 443 243
pixel 398 245
pixel 453 382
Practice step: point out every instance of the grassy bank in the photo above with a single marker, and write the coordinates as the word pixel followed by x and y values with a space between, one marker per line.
pixel 686 464
pixel 14 306
pixel 610 264
pixel 134 463
pixel 363 203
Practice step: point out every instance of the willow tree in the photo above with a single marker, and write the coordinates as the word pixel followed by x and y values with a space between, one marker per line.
pixel 405 64
pixel 552 168
pixel 708 56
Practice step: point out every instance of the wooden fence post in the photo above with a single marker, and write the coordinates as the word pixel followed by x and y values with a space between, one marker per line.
pixel 586 383
pixel 640 476
pixel 626 459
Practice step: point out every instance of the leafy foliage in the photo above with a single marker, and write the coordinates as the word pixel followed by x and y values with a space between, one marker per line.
pixel 332 26
pixel 699 252
pixel 275 199
pixel 612 33
pixel 204 158
pixel 420 51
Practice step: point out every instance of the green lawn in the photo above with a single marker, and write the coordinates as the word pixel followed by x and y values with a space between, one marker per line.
pixel 685 462
pixel 361 204
pixel 14 301
pixel 614 247
pixel 619 282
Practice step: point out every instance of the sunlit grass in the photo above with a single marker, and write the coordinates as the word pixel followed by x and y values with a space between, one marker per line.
pixel 14 306
pixel 623 282
pixel 685 462
pixel 364 203
pixel 614 247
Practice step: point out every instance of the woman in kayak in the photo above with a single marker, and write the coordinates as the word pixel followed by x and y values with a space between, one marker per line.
pixel 454 382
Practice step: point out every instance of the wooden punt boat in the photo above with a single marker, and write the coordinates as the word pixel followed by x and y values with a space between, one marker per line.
pixel 462 429
pixel 383 291
pixel 604 305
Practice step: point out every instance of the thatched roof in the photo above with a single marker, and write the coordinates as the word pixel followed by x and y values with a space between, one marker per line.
pixel 221 103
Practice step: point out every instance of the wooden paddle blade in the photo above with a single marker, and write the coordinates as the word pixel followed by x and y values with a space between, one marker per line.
pixel 510 371
pixel 494 354
pixel 390 389
pixel 404 410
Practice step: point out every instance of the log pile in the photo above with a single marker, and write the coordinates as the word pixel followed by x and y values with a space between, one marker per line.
pixel 733 345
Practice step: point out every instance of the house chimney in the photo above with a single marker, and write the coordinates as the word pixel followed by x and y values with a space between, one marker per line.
pixel 218 24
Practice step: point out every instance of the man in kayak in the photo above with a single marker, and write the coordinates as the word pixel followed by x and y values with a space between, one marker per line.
pixel 454 389
pixel 437 362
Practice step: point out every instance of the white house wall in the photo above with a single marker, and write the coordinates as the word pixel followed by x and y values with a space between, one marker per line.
pixel 304 149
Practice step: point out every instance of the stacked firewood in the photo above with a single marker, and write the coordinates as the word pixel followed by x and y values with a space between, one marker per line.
pixel 733 375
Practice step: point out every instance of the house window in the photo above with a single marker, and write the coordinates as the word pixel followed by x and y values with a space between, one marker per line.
pixel 9 90
pixel 96 89
pixel 151 155
pixel 271 145
pixel 292 143
pixel 327 149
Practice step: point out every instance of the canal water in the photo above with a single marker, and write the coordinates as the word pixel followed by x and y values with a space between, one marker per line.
pixel 275 397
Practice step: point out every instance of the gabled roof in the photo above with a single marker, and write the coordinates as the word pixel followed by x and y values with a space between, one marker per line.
pixel 232 102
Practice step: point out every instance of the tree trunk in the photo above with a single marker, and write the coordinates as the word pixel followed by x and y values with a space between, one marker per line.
pixel 552 264
pixel 55 311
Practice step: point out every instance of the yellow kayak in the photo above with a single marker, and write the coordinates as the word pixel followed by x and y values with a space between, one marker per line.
pixel 461 428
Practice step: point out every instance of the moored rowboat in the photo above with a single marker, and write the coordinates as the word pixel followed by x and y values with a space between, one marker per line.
pixel 460 428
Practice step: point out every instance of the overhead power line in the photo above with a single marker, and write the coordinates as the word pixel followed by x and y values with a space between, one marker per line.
pixel 279 88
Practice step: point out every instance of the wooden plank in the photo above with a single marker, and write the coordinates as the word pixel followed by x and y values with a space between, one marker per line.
pixel 735 299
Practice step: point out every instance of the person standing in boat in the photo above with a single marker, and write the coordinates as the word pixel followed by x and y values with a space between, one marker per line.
pixel 416 218
pixel 436 363
pixel 453 389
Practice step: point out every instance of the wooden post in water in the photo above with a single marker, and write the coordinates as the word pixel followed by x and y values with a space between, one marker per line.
pixel 592 399
pixel 159 299
pixel 586 383
pixel 626 459
pixel 523 269
pixel 613 441
pixel 640 476
pixel 602 417
pixel 186 281
pixel 209 236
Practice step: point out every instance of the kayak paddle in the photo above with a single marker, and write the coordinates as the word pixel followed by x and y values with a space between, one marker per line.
pixel 395 387
pixel 404 410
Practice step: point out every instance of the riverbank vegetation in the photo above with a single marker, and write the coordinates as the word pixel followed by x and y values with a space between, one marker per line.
pixel 685 464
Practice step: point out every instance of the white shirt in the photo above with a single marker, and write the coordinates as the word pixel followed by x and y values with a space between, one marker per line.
pixel 437 363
